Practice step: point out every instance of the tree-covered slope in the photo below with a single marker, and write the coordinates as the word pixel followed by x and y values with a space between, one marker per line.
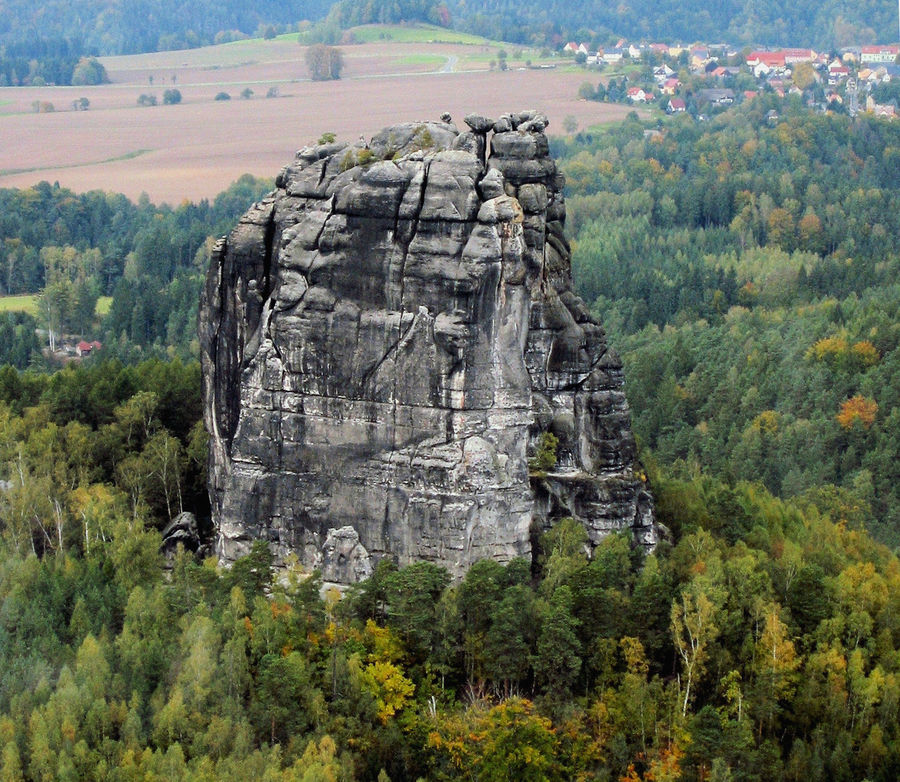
pixel 149 25
pixel 804 23
pixel 748 271
pixel 832 23
pixel 107 27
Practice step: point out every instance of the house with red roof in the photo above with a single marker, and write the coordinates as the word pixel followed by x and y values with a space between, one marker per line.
pixel 879 53
pixel 637 95
pixel 792 56
pixel 771 60
pixel 85 348
pixel 669 86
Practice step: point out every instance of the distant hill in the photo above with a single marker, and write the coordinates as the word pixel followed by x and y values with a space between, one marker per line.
pixel 824 24
pixel 110 27
pixel 132 26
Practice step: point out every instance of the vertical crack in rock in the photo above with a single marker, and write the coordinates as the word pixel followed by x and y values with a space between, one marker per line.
pixel 384 347
pixel 268 257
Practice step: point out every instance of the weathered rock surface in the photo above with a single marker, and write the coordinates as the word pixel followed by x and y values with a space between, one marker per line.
pixel 385 338
pixel 181 530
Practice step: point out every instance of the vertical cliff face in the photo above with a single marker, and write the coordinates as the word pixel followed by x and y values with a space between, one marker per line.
pixel 386 337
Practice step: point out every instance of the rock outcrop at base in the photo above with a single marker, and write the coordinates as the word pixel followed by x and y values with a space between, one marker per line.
pixel 387 337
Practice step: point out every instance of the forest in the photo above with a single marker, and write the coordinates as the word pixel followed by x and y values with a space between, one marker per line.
pixel 759 642
pixel 70 249
pixel 747 270
pixel 39 62
pixel 745 267
pixel 154 25
pixel 108 27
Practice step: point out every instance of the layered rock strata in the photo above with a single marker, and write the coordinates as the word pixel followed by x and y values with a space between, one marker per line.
pixel 386 338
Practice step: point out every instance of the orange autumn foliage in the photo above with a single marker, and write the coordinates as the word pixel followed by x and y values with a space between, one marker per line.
pixel 857 409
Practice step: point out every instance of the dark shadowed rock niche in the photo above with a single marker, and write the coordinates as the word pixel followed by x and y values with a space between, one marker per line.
pixel 385 339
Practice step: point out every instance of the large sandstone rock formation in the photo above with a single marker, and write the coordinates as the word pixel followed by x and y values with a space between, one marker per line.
pixel 385 339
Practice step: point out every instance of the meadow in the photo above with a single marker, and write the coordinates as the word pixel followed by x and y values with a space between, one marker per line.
pixel 27 303
pixel 195 149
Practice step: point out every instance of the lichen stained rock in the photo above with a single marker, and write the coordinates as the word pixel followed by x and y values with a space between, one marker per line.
pixel 384 339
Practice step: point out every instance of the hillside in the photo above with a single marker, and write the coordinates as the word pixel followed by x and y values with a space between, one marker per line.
pixel 145 25
pixel 747 268
pixel 152 25
pixel 828 24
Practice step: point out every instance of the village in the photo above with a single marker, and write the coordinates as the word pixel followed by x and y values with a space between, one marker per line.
pixel 701 79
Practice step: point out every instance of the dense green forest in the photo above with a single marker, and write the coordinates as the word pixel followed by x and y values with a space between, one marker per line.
pixel 145 25
pixel 48 61
pixel 827 25
pixel 72 248
pixel 745 267
pixel 762 643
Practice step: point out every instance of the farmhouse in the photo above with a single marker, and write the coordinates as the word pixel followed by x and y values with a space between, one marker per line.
pixel 85 348
pixel 772 60
pixel 669 86
pixel 792 56
pixel 637 95
pixel 614 55
pixel 879 53
pixel 723 97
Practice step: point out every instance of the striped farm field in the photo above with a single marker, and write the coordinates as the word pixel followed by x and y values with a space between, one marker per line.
pixel 196 148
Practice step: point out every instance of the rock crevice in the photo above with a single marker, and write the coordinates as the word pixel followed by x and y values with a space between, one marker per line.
pixel 386 337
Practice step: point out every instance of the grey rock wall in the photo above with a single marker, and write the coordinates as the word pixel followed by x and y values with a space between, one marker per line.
pixel 384 339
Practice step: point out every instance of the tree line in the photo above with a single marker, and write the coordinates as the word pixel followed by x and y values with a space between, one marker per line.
pixel 40 61
pixel 149 25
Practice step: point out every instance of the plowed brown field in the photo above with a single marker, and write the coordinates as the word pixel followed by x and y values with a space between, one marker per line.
pixel 197 148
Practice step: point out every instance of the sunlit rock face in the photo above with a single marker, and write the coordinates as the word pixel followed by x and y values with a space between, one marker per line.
pixel 385 340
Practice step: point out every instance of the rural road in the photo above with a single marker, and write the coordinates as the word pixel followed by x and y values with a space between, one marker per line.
pixel 450 64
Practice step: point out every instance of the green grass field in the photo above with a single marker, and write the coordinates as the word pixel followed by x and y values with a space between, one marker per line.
pixel 28 303
pixel 376 33
pixel 24 303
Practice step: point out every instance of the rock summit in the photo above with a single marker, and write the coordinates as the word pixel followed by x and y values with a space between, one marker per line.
pixel 395 364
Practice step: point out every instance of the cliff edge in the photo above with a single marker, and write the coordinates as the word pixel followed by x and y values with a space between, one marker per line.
pixel 387 338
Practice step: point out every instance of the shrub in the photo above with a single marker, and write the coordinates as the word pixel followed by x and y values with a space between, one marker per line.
pixel 544 458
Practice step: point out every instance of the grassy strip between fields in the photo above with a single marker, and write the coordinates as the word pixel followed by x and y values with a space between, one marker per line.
pixel 118 158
